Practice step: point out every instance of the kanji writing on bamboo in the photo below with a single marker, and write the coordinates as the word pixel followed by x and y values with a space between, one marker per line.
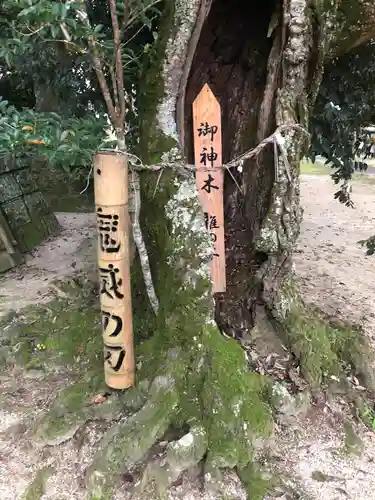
pixel 110 282
pixel 108 320
pixel 110 356
pixel 108 232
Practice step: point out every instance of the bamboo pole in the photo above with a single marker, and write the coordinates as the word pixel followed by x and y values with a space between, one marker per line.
pixel 111 203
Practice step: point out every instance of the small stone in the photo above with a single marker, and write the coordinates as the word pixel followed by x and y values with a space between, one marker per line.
pixel 8 420
pixel 288 406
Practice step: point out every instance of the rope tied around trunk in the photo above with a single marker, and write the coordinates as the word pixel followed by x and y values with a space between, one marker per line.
pixel 276 138
pixel 175 161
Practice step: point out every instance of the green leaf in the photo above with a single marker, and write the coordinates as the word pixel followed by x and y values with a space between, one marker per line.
pixel 55 9
pixel 64 147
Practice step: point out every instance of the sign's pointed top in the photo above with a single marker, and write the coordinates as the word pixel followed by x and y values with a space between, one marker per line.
pixel 207 88
pixel 206 94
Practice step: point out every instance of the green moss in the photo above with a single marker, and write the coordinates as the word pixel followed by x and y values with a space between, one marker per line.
pixel 203 381
pixel 72 408
pixel 352 443
pixel 36 489
pixel 35 364
pixel 70 332
pixel 350 344
pixel 65 332
pixel 30 235
pixel 256 481
pixel 152 144
pixel 309 340
pixel 156 232
pixel 215 387
pixel 364 410
pixel 325 349
pixel 234 402
pixel 129 441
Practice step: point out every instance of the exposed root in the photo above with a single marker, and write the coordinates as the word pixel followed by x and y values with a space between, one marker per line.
pixel 328 351
pixel 127 443
pixel 71 410
pixel 221 402
pixel 180 455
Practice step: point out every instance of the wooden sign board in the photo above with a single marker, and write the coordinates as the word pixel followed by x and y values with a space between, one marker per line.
pixel 111 201
pixel 210 177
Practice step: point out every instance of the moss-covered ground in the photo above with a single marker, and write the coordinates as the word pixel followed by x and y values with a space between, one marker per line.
pixel 204 377
pixel 211 385
pixel 189 376
pixel 36 489
pixel 327 350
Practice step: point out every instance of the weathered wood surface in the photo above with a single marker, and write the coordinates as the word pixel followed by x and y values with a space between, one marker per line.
pixel 210 177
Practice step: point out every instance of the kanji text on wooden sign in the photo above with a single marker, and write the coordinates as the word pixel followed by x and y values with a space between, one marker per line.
pixel 210 177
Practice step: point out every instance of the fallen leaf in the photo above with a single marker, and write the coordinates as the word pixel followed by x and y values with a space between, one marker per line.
pixel 98 400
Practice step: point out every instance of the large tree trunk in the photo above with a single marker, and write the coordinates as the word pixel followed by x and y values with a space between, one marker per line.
pixel 264 78
pixel 259 82
pixel 264 63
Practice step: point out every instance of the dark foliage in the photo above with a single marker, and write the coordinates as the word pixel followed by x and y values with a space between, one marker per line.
pixel 345 104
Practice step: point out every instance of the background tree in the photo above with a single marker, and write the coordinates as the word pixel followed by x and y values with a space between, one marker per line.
pixel 265 65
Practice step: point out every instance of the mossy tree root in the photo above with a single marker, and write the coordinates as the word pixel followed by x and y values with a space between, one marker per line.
pixel 129 441
pixel 180 455
pixel 219 403
pixel 328 351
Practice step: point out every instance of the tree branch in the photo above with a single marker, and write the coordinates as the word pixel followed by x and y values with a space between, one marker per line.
pixel 98 68
pixel 119 72
pixel 125 19
pixel 114 85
